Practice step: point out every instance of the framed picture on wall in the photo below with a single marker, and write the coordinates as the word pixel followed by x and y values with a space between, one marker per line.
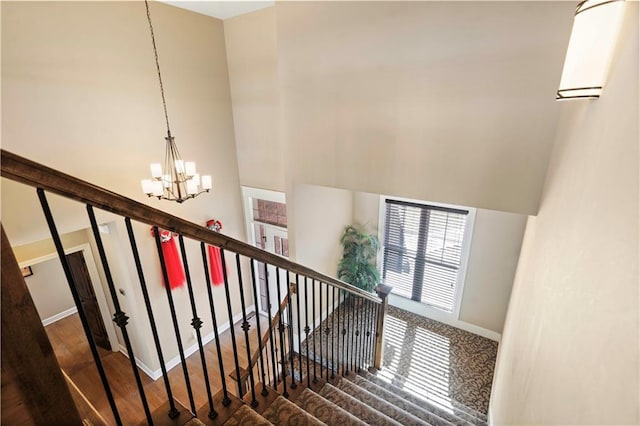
pixel 27 271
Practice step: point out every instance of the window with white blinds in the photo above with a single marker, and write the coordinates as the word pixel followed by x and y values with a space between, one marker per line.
pixel 422 251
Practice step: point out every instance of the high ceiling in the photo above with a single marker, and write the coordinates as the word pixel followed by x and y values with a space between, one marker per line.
pixel 220 9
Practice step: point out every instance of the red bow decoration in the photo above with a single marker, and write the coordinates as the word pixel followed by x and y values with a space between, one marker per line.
pixel 215 261
pixel 175 271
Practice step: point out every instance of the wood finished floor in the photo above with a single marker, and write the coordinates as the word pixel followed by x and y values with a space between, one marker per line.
pixel 73 353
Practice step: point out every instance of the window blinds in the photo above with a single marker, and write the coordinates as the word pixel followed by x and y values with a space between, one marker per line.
pixel 422 251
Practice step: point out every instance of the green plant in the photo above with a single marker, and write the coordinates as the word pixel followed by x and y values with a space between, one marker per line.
pixel 357 266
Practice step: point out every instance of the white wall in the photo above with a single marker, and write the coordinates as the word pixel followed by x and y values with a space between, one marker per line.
pixel 49 290
pixel 569 353
pixel 445 101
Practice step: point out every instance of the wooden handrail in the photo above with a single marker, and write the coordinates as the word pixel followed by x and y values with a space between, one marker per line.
pixel 34 174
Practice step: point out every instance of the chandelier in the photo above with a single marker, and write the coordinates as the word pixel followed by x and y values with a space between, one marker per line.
pixel 177 180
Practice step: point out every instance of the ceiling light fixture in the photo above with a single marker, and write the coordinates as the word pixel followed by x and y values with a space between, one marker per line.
pixel 178 180
pixel 593 37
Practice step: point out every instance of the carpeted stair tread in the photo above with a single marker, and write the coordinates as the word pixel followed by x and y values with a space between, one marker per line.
pixel 351 404
pixel 284 412
pixel 428 416
pixel 326 410
pixel 379 404
pixel 466 413
pixel 194 422
pixel 245 416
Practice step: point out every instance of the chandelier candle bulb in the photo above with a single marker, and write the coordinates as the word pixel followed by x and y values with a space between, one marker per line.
pixel 192 187
pixel 156 170
pixel 147 186
pixel 167 181
pixel 158 190
pixel 190 168
pixel 179 166
pixel 196 179
pixel 206 182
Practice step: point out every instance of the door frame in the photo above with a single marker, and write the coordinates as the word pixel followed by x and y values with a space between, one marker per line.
pixel 248 193
pixel 96 282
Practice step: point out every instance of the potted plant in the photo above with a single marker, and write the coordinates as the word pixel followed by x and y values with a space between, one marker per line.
pixel 357 266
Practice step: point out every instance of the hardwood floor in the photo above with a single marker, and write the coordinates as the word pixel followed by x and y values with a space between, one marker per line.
pixel 74 356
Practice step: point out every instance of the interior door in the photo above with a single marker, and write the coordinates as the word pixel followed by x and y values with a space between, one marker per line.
pixel 88 299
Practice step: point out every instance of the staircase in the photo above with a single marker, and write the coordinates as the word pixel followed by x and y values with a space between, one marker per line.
pixel 358 399
pixel 289 379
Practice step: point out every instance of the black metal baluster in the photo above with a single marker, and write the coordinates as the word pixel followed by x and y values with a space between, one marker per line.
pixel 225 393
pixel 306 328
pixel 290 316
pixel 367 340
pixel 313 323
pixel 174 318
pixel 352 326
pixel 376 331
pixel 327 330
pixel 196 323
pixel 299 320
pixel 173 411
pixel 343 331
pixel 320 326
pixel 119 317
pixel 274 360
pixel 76 298
pixel 231 324
pixel 359 334
pixel 333 331
pixel 345 327
pixel 246 326
pixel 283 355
pixel 255 297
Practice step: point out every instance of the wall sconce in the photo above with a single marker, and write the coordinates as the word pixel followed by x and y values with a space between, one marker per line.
pixel 593 37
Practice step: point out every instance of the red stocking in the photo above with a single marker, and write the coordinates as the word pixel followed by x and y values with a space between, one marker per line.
pixel 175 272
pixel 215 266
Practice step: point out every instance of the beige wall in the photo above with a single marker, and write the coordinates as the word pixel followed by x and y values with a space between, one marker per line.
pixel 569 353
pixel 49 290
pixel 253 77
pixel 80 94
pixel 444 101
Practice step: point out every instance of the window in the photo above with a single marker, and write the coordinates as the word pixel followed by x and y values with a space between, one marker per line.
pixel 423 246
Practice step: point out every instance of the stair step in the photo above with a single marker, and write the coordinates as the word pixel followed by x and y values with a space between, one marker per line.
pixel 161 415
pixel 380 404
pixel 245 416
pixel 355 407
pixel 408 406
pixel 283 411
pixel 263 400
pixel 325 410
pixel 223 412
pixel 468 414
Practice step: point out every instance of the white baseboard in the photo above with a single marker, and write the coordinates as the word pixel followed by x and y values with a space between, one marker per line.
pixel 58 317
pixel 436 315
pixel 156 374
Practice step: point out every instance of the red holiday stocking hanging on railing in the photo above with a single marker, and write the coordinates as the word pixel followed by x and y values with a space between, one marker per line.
pixel 175 271
pixel 215 262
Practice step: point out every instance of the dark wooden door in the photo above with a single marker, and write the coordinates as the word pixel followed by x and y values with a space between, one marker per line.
pixel 81 277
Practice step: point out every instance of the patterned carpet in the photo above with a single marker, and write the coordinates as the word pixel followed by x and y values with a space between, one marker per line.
pixel 442 364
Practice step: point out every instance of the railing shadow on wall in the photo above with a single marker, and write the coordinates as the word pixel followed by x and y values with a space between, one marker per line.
pixel 338 332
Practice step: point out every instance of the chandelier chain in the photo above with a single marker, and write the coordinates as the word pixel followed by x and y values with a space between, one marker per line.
pixel 155 52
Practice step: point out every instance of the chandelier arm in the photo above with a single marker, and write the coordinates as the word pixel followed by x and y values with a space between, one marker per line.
pixel 155 52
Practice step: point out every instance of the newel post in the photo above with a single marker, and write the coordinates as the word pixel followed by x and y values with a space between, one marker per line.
pixel 383 292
